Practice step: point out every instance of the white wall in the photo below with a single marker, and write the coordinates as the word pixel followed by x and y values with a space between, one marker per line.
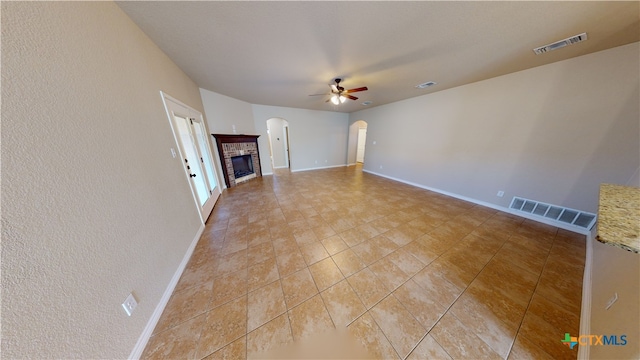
pixel 93 204
pixel 277 136
pixel 552 133
pixel 224 113
pixel 313 136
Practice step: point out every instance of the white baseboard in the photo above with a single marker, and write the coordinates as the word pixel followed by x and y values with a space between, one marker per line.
pixel 153 321
pixel 267 173
pixel 280 167
pixel 484 203
pixel 585 310
pixel 319 168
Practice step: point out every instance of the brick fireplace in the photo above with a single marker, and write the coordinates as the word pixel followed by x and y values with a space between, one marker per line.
pixel 239 156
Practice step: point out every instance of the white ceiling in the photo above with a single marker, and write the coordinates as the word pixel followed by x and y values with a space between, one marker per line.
pixel 278 53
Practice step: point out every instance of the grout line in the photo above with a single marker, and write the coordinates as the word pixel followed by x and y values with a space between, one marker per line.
pixel 533 294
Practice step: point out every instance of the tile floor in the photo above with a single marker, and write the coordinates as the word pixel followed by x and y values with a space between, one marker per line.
pixel 405 272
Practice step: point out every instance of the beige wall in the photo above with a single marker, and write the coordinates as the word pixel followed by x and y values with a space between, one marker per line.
pixel 94 206
pixel 313 136
pixel 615 271
pixel 551 133
pixel 224 113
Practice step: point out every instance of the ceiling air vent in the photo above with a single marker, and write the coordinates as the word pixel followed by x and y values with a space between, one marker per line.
pixel 426 85
pixel 555 214
pixel 560 44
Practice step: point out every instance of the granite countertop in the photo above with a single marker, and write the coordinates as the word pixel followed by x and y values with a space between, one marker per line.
pixel 619 216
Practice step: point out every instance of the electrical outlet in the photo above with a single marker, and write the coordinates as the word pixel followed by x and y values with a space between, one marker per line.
pixel 500 193
pixel 374 142
pixel 129 304
pixel 611 301
pixel 316 161
pixel 380 167
pixel 173 153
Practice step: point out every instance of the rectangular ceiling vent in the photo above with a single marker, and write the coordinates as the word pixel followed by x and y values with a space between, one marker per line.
pixel 553 213
pixel 560 44
pixel 426 85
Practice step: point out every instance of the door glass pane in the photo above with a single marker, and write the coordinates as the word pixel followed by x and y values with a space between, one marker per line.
pixel 193 161
pixel 201 139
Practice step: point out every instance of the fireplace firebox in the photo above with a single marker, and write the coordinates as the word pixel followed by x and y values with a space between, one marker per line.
pixel 239 156
pixel 242 166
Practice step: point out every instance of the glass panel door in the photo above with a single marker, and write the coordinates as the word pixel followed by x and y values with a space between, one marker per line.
pixel 192 160
pixel 195 153
pixel 207 159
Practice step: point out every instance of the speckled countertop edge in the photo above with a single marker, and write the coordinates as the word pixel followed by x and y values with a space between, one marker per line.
pixel 619 216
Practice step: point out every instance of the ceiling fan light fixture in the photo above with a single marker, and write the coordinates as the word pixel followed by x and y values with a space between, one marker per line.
pixel 342 99
pixel 335 100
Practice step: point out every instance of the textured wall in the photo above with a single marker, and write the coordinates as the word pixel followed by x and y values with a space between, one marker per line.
pixel 224 113
pixel 93 204
pixel 551 133
pixel 313 136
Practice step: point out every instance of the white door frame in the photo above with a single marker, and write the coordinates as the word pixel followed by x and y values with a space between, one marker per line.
pixel 285 135
pixel 362 135
pixel 174 108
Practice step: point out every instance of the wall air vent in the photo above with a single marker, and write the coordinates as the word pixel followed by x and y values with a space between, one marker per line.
pixel 426 85
pixel 560 44
pixel 552 213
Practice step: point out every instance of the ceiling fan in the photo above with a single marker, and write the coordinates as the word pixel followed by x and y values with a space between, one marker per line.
pixel 339 94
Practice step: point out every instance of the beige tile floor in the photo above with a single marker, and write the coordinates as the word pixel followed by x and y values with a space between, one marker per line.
pixel 405 272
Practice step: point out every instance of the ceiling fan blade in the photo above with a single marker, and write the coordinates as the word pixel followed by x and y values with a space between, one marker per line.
pixel 349 96
pixel 328 100
pixel 334 88
pixel 364 88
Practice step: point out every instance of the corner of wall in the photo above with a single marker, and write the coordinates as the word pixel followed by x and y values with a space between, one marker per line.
pixel 153 321
pixel 585 309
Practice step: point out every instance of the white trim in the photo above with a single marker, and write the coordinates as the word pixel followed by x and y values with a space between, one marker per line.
pixel 484 203
pixel 319 168
pixel 265 174
pixel 171 105
pixel 585 311
pixel 280 167
pixel 352 164
pixel 153 321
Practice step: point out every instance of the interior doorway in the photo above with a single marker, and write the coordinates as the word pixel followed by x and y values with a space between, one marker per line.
pixel 362 140
pixel 279 144
pixel 195 153
pixel 357 142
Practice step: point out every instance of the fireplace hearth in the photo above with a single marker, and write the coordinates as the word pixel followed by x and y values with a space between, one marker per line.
pixel 239 156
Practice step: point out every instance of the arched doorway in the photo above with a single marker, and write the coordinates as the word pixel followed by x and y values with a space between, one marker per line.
pixel 278 131
pixel 357 142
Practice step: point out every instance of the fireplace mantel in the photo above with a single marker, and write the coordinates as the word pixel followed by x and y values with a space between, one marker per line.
pixel 230 145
